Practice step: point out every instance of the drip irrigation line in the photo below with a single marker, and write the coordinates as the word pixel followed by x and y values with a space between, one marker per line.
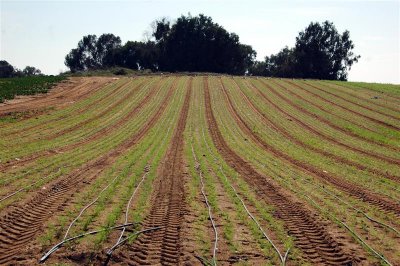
pixel 109 252
pixel 197 167
pixel 24 188
pixel 351 231
pixel 60 244
pixel 119 241
pixel 282 257
pixel 377 254
pixel 87 206
pixel 356 209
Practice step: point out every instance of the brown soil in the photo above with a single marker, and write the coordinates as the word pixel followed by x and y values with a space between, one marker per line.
pixel 99 134
pixel 349 110
pixel 63 94
pixel 111 93
pixel 326 121
pixel 346 91
pixel 292 138
pixel 310 233
pixel 352 102
pixel 22 223
pixel 363 194
pixel 168 207
pixel 323 135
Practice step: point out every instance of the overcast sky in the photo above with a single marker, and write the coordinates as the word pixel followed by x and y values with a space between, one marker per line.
pixel 41 33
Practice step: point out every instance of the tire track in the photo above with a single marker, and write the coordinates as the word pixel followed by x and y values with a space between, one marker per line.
pixel 323 135
pixel 168 205
pixel 20 225
pixel 101 133
pixel 317 244
pixel 297 141
pixel 350 101
pixel 345 108
pixel 381 202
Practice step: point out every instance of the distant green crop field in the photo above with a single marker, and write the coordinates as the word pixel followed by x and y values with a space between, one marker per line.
pixel 10 87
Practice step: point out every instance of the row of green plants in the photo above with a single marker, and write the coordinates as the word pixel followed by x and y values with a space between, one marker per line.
pixel 128 169
pixel 301 184
pixel 308 156
pixel 78 156
pixel 218 177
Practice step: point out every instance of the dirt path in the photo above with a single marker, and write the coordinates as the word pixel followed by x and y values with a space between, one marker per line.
pixel 361 193
pixel 317 243
pixel 167 207
pixel 20 225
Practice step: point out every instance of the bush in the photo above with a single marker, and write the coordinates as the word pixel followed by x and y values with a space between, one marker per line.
pixel 120 72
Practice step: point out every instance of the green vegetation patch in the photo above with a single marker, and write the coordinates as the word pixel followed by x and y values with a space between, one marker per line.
pixel 11 87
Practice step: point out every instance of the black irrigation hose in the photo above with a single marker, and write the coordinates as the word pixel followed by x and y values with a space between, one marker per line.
pixel 131 236
pixel 377 254
pixel 118 243
pixel 356 209
pixel 59 245
pixel 88 206
pixel 109 252
pixel 282 257
pixel 197 167
pixel 28 186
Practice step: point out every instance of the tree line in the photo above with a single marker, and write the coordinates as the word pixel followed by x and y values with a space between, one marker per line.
pixel 197 44
pixel 9 71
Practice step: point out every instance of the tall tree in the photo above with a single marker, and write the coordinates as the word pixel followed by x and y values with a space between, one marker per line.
pixel 93 53
pixel 6 70
pixel 199 44
pixel 321 52
pixel 31 71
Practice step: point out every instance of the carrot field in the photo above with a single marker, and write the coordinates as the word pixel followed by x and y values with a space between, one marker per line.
pixel 201 170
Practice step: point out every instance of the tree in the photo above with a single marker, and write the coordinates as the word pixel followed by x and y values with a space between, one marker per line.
pixel 106 46
pixel 6 70
pixel 31 71
pixel 138 55
pixel 199 44
pixel 74 61
pixel 321 52
pixel 93 53
pixel 282 64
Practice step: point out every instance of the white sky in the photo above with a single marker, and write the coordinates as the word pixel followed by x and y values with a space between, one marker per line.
pixel 41 33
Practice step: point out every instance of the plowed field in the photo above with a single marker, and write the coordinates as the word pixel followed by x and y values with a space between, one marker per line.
pixel 191 170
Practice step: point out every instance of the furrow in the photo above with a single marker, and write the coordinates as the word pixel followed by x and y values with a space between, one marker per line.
pixel 52 198
pixel 350 101
pixel 292 138
pixel 299 221
pixel 381 202
pixel 323 135
pixel 348 109
pixel 168 206
pixel 101 133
